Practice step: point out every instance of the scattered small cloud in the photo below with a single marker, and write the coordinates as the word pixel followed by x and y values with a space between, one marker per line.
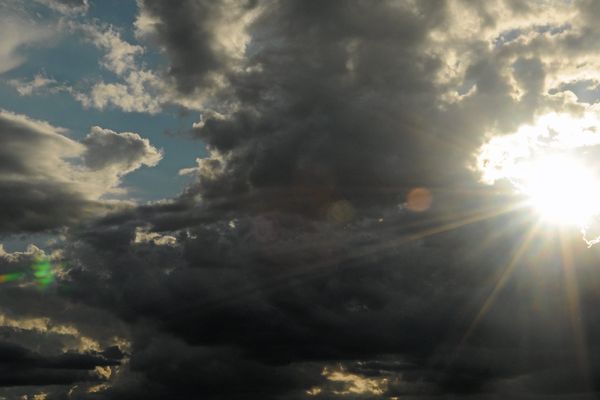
pixel 136 90
pixel 67 7
pixel 39 84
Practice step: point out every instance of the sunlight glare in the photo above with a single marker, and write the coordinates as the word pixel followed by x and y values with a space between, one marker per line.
pixel 550 163
pixel 562 190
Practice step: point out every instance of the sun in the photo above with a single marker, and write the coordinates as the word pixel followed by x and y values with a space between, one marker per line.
pixel 550 166
pixel 550 163
pixel 561 189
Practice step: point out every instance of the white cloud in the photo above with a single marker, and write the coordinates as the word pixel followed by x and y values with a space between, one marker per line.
pixel 16 34
pixel 109 155
pixel 67 7
pixel 137 89
pixel 119 55
pixel 138 92
pixel 39 83
pixel 143 235
pixel 500 157
pixel 120 152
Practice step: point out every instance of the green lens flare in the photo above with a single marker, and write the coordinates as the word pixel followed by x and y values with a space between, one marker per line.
pixel 13 276
pixel 43 272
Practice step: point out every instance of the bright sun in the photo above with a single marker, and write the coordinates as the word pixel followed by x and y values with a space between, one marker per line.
pixel 561 189
pixel 550 163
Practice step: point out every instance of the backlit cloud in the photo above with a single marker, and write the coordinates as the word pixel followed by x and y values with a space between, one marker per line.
pixel 362 209
pixel 46 186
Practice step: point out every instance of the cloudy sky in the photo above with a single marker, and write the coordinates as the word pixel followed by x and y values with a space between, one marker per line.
pixel 292 199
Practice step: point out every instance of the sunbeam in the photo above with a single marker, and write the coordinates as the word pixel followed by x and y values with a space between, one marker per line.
pixel 501 282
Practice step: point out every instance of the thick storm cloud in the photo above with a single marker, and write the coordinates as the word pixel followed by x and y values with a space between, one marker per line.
pixel 336 240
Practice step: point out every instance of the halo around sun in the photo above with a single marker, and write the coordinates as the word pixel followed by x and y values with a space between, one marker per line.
pixel 545 164
pixel 562 190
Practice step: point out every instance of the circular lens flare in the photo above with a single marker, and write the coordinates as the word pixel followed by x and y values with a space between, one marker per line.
pixel 419 199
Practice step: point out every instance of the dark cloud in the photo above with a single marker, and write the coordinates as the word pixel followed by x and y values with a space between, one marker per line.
pixel 332 106
pixel 291 267
pixel 47 342
pixel 296 266
pixel 327 116
pixel 199 38
pixel 21 367
pixel 230 303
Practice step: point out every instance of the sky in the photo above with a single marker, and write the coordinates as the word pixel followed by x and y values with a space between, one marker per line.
pixel 292 199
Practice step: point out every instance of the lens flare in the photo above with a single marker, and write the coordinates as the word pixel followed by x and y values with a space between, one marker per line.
pixel 43 272
pixel 11 277
pixel 42 275
pixel 418 199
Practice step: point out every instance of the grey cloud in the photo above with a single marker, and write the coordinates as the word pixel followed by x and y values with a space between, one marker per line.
pixel 338 104
pixel 587 91
pixel 316 296
pixel 43 186
pixel 293 250
pixel 325 110
pixel 23 367
pixel 36 194
pixel 194 35
pixel 47 343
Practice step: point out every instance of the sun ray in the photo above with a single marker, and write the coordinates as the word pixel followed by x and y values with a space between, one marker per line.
pixel 307 273
pixel 501 282
pixel 467 220
pixel 572 298
pixel 549 163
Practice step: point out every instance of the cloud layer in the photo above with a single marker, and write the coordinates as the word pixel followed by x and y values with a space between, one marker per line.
pixel 293 266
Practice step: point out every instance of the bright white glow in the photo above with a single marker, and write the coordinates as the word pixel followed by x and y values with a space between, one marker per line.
pixel 562 190
pixel 544 162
